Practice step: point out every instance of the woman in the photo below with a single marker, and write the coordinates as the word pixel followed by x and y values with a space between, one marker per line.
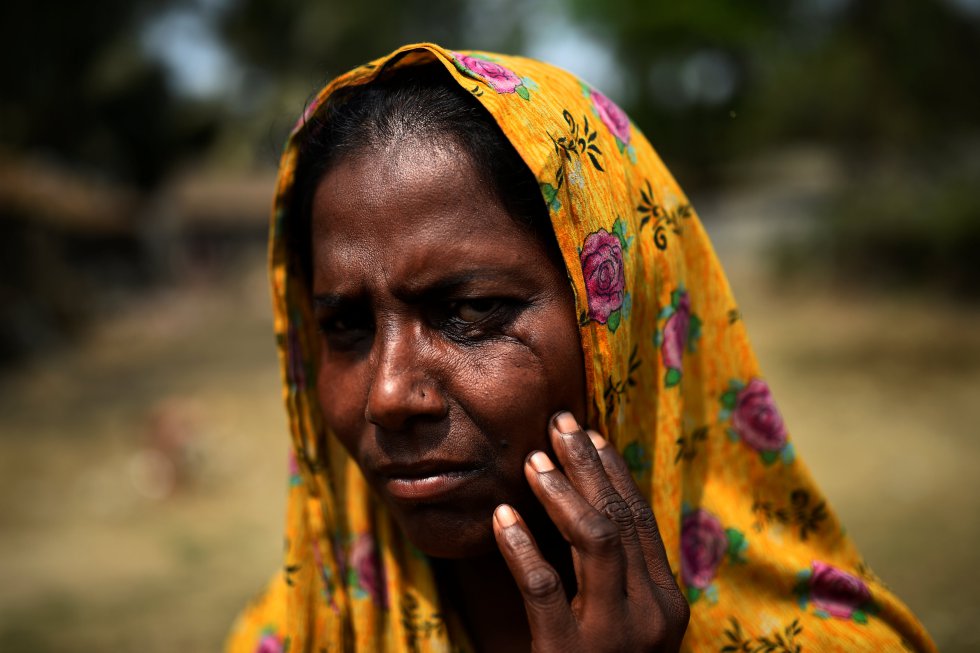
pixel 473 256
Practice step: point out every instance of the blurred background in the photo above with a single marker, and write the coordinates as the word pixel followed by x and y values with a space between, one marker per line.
pixel 832 148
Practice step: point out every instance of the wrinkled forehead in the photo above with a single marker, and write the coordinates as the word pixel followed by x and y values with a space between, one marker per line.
pixel 399 216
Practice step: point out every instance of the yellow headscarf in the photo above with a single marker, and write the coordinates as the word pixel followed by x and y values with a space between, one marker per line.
pixel 673 384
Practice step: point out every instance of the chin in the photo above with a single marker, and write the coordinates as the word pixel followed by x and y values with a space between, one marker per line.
pixel 441 533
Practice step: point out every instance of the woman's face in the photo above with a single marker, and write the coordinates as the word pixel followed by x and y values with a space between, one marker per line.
pixel 449 339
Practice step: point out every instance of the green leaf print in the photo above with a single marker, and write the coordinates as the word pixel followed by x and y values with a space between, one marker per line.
pixel 614 319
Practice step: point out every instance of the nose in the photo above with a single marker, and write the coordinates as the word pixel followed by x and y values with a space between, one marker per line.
pixel 402 389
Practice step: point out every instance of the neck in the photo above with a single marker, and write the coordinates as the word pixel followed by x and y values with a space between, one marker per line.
pixel 483 592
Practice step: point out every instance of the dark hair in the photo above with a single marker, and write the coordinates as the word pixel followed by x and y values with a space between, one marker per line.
pixel 411 102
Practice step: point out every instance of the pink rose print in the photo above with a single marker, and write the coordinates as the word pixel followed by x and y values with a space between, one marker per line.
pixel 614 118
pixel 364 561
pixel 756 419
pixel 602 268
pixel 703 546
pixel 500 79
pixel 269 644
pixel 837 592
pixel 676 329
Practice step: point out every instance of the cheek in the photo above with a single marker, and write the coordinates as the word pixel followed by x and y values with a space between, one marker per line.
pixel 561 352
pixel 340 397
pixel 503 388
pixel 513 387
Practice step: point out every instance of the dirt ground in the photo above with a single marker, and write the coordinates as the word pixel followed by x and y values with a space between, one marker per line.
pixel 102 548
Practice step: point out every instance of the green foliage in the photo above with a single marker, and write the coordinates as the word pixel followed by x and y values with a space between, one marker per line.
pixel 895 74
pixel 852 74
pixel 901 230
pixel 79 87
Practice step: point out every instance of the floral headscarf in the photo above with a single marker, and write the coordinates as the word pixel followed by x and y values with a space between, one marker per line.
pixel 673 384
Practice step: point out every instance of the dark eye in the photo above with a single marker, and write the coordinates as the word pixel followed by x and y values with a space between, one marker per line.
pixel 475 310
pixel 343 329
pixel 337 324
pixel 473 320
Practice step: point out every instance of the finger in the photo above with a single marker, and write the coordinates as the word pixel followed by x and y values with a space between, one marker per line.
pixel 594 538
pixel 580 461
pixel 548 612
pixel 672 604
pixel 641 515
pixel 584 468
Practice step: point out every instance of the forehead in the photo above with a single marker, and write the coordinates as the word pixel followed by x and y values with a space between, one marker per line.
pixel 412 211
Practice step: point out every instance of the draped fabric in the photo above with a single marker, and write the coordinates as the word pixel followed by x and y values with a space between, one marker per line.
pixel 673 384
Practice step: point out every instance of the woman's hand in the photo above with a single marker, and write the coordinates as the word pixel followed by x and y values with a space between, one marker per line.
pixel 627 598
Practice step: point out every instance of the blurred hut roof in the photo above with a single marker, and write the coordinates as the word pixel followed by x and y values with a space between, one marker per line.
pixel 42 190
pixel 203 198
pixel 67 199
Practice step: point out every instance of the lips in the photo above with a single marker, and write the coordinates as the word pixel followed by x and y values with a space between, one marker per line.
pixel 427 480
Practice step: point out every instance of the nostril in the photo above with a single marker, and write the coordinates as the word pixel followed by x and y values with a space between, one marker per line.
pixel 401 388
pixel 396 400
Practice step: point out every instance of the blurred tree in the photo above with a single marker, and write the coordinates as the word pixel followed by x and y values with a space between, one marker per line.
pixel 90 124
pixel 690 67
pixel 712 80
pixel 79 87
pixel 892 76
pixel 300 37
pixel 289 48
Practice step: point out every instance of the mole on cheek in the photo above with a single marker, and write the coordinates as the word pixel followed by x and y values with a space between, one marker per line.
pixel 504 444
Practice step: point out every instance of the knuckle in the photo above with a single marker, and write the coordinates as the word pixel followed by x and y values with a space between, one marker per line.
pixel 599 533
pixel 672 616
pixel 614 507
pixel 657 630
pixel 540 583
pixel 642 513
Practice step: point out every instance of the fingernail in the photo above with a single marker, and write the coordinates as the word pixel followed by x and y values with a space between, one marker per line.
pixel 597 440
pixel 565 422
pixel 540 462
pixel 505 516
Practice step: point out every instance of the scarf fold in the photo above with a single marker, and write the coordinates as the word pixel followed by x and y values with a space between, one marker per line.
pixel 673 384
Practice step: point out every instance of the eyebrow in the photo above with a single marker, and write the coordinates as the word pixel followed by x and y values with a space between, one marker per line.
pixel 421 290
pixel 329 300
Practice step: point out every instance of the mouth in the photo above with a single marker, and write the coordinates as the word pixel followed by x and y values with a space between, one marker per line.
pixel 427 480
